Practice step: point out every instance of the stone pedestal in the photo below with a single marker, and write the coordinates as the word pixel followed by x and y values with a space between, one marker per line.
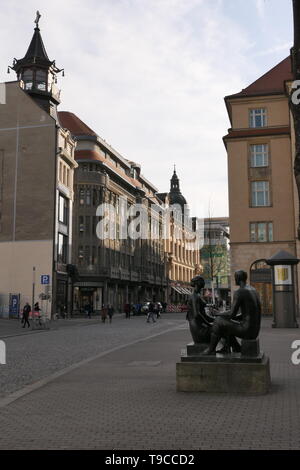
pixel 220 373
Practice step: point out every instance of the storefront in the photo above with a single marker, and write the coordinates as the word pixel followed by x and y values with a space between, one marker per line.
pixel 87 295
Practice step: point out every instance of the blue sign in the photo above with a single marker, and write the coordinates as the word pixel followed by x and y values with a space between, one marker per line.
pixel 45 279
pixel 14 305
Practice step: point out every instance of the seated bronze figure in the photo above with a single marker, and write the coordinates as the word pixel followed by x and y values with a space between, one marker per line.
pixel 246 326
pixel 200 323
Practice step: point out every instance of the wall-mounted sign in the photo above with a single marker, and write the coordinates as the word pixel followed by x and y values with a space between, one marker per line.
pixel 283 275
pixel 45 279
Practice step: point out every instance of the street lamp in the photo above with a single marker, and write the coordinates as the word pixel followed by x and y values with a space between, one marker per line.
pixel 295 108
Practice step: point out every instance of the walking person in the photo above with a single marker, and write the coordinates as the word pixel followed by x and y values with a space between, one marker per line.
pixel 26 311
pixel 104 314
pixel 110 312
pixel 151 312
pixel 36 312
pixel 127 310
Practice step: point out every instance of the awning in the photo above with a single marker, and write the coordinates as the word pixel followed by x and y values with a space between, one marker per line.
pixel 177 289
pixel 181 290
pixel 187 291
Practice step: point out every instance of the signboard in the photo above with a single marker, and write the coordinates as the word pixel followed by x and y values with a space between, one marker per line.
pixel 14 305
pixel 283 275
pixel 45 279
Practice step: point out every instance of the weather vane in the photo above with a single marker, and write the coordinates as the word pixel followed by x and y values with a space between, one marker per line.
pixel 37 19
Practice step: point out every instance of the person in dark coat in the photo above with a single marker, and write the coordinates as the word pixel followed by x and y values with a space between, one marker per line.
pixel 110 312
pixel 26 312
pixel 127 310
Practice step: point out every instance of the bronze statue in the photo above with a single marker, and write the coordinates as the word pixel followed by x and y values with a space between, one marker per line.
pixel 200 323
pixel 246 325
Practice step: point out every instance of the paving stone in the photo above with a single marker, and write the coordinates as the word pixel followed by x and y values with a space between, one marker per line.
pixel 108 404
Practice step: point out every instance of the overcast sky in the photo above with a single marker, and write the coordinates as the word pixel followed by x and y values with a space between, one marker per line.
pixel 149 76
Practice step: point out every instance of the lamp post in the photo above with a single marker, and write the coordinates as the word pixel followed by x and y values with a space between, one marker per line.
pixel 295 108
pixel 284 300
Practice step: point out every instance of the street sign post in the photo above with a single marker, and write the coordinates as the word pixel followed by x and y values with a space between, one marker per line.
pixel 14 305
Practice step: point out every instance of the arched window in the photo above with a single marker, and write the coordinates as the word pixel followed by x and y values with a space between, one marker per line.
pixel 261 280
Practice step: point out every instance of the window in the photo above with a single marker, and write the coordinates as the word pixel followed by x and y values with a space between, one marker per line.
pixel 260 193
pixel 259 155
pixel 60 171
pixel 95 197
pixel 261 232
pixel 80 252
pixel 62 248
pixel 87 224
pixel 63 210
pixel 28 79
pixel 81 225
pixel 88 197
pixel 81 197
pixel 258 117
pixel 40 79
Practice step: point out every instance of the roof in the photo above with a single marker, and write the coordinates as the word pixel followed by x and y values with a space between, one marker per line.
pixel 78 128
pixel 36 47
pixel 269 83
pixel 74 124
pixel 283 257
pixel 36 54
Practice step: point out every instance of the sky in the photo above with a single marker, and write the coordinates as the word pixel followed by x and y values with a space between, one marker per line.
pixel 150 76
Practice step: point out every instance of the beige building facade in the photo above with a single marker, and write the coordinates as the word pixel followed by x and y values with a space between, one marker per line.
pixel 183 256
pixel 262 193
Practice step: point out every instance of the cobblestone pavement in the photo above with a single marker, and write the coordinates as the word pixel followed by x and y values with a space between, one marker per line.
pixel 127 400
pixel 37 354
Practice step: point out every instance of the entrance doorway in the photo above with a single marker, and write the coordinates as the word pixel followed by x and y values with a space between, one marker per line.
pixel 261 280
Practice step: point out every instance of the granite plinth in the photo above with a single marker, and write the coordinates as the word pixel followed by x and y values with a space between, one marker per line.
pixel 250 347
pixel 233 357
pixel 194 349
pixel 223 373
pixel 224 377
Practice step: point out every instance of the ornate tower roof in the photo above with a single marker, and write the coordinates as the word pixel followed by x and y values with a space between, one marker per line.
pixel 38 72
pixel 36 53
pixel 175 195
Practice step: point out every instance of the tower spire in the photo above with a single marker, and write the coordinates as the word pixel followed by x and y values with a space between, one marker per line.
pixel 38 73
pixel 175 194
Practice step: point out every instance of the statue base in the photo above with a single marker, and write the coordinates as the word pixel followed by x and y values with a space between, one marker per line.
pixel 223 373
